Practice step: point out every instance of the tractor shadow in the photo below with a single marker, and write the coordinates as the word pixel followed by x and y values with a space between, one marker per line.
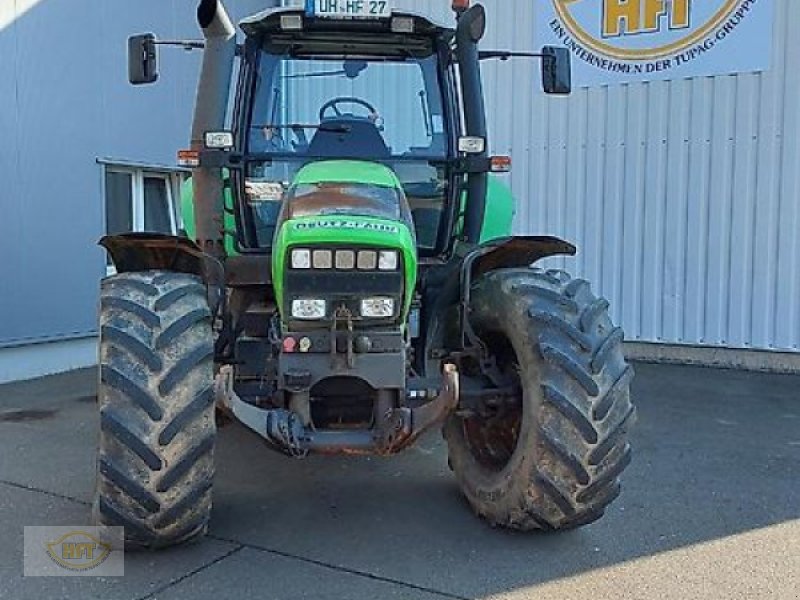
pixel 716 453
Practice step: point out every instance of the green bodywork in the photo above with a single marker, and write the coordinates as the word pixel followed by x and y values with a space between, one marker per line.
pixel 358 231
pixel 187 215
pixel 500 209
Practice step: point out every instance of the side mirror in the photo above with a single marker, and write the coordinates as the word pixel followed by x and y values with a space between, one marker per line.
pixel 556 70
pixel 142 59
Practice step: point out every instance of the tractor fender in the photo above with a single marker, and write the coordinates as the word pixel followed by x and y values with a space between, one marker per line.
pixel 160 252
pixel 510 252
pixel 448 328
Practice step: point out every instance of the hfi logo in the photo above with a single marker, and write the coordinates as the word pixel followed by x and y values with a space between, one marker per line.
pixel 78 551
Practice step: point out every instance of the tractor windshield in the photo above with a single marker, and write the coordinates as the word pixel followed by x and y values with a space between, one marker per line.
pixel 366 108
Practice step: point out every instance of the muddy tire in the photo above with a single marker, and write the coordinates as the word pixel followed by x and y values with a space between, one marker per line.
pixel 157 429
pixel 553 459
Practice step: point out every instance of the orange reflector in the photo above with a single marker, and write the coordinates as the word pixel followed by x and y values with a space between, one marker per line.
pixel 189 158
pixel 289 345
pixel 460 5
pixel 501 164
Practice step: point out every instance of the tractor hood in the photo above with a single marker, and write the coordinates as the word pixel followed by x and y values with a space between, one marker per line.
pixel 346 188
pixel 345 207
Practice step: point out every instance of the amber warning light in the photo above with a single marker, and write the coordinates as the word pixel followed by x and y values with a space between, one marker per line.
pixel 500 164
pixel 189 158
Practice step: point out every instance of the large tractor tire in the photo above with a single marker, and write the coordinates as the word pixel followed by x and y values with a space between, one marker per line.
pixel 551 459
pixel 156 397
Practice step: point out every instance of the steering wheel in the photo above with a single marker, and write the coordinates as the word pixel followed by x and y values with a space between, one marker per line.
pixel 333 105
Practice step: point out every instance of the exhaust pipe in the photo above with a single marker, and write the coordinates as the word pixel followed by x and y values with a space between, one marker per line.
pixel 211 107
pixel 469 31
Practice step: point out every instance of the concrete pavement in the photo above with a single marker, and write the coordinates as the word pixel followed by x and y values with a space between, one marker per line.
pixel 710 509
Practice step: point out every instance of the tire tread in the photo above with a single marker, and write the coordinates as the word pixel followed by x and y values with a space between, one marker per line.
pixel 578 437
pixel 156 401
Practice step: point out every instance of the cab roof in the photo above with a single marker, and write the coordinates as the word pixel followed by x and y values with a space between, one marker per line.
pixel 269 21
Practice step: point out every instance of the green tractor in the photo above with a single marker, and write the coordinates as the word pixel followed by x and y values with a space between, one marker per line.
pixel 348 281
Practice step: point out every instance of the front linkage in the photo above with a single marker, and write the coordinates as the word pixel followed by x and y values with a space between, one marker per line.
pixel 394 428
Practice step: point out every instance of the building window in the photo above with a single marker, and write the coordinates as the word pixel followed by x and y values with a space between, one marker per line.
pixel 119 202
pixel 139 199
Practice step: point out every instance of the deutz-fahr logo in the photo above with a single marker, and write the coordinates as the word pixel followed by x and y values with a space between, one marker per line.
pixel 649 30
pixel 347 224
pixel 78 551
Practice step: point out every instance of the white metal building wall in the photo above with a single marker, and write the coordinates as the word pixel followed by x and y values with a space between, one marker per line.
pixel 683 197
pixel 65 102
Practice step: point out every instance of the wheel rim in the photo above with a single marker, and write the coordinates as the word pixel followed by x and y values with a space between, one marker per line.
pixel 492 438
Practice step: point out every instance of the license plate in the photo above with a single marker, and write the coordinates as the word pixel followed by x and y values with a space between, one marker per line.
pixel 352 9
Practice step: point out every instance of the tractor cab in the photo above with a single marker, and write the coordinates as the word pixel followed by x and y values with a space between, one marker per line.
pixel 320 89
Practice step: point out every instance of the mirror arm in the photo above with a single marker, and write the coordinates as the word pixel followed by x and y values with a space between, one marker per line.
pixel 185 44
pixel 505 55
pixel 190 45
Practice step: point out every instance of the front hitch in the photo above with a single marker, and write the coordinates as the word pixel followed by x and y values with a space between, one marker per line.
pixel 417 421
pixel 394 430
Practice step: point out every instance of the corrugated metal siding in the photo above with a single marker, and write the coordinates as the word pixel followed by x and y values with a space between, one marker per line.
pixel 683 197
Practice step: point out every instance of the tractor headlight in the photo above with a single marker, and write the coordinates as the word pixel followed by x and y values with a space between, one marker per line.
pixel 345 260
pixel 388 260
pixel 377 308
pixel 309 309
pixel 323 259
pixel 301 259
pixel 367 260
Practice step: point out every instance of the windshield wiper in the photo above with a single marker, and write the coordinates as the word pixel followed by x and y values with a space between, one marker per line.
pixel 423 98
pixel 314 74
pixel 320 127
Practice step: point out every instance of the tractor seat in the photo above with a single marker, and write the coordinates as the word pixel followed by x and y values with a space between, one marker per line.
pixel 362 141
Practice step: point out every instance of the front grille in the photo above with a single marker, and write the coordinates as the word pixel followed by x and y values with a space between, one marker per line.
pixel 345 289
pixel 326 284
